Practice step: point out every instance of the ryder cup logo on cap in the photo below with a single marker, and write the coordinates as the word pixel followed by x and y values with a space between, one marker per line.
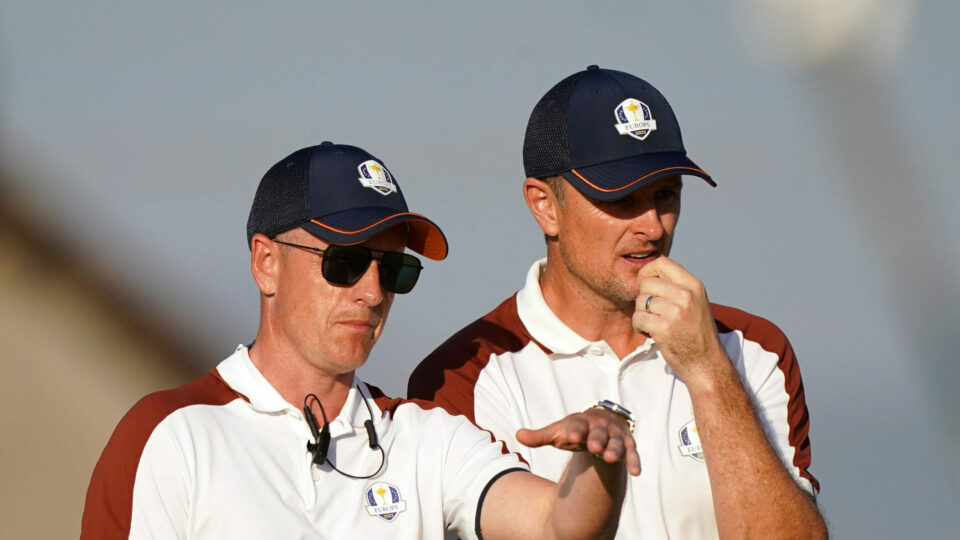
pixel 633 119
pixel 383 500
pixel 375 176
pixel 570 134
pixel 342 195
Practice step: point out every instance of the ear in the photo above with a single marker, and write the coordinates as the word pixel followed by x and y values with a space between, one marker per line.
pixel 265 263
pixel 543 204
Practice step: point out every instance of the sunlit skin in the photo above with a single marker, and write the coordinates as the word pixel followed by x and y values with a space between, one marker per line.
pixel 600 247
pixel 604 261
pixel 314 334
pixel 601 243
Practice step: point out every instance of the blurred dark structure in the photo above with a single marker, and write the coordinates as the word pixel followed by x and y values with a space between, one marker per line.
pixel 76 355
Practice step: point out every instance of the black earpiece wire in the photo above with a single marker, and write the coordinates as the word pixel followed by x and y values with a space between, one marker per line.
pixel 322 436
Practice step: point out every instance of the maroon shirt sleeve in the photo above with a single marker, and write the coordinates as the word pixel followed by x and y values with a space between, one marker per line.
pixel 108 508
pixel 772 339
pixel 449 374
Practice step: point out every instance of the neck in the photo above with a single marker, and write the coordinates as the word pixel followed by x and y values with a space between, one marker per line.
pixel 592 316
pixel 295 378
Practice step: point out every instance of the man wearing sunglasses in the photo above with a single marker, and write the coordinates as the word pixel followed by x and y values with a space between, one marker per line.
pixel 716 392
pixel 282 440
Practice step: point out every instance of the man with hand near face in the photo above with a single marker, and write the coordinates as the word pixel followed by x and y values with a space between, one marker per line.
pixel 716 394
pixel 282 440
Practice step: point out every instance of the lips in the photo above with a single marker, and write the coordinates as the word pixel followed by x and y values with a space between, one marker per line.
pixel 360 322
pixel 640 258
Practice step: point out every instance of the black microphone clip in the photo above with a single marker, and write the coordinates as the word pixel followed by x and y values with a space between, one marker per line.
pixel 322 437
pixel 371 434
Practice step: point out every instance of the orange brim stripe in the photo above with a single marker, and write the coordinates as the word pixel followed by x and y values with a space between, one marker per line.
pixel 434 244
pixel 648 175
pixel 315 222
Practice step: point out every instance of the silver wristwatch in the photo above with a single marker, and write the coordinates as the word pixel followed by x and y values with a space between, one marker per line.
pixel 616 409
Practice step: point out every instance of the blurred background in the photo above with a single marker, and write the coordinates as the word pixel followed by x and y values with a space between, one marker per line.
pixel 133 135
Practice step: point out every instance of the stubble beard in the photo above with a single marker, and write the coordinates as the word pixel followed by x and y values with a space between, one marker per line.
pixel 610 288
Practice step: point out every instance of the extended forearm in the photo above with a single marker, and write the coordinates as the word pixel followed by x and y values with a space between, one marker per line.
pixel 754 495
pixel 588 498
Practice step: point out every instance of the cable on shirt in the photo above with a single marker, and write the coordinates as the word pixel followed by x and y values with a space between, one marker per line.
pixel 321 437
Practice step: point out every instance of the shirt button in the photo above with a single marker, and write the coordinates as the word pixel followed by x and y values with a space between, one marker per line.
pixel 596 351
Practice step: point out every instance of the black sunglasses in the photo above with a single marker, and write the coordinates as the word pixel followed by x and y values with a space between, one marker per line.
pixel 345 265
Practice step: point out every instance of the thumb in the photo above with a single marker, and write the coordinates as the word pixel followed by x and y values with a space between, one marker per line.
pixel 534 438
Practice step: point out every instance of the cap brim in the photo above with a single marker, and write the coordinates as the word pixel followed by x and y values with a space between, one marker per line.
pixel 358 224
pixel 614 179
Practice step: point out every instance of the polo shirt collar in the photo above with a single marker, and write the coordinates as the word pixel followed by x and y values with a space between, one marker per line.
pixel 243 377
pixel 239 372
pixel 542 323
pixel 354 411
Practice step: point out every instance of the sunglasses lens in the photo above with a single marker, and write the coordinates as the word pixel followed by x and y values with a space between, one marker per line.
pixel 345 265
pixel 399 272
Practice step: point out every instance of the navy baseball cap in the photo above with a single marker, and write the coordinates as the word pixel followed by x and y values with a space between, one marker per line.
pixel 608 133
pixel 340 194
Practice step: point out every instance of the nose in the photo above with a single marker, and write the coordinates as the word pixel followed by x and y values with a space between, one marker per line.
pixel 368 290
pixel 647 222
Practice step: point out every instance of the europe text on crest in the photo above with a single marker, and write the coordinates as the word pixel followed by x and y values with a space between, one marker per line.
pixel 375 176
pixel 634 119
pixel 690 441
pixel 383 500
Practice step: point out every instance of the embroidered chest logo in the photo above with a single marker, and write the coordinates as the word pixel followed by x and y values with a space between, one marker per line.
pixel 375 176
pixel 383 500
pixel 634 119
pixel 690 441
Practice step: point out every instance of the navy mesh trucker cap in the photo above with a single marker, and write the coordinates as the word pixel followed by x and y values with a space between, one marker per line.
pixel 608 133
pixel 340 194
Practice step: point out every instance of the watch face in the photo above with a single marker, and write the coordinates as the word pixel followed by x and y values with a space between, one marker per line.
pixel 615 407
pixel 618 410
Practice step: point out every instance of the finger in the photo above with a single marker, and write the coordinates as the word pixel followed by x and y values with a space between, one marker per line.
pixel 577 430
pixel 566 434
pixel 668 269
pixel 615 450
pixel 597 439
pixel 648 323
pixel 623 447
pixel 632 458
pixel 537 437
pixel 651 303
pixel 667 309
pixel 658 286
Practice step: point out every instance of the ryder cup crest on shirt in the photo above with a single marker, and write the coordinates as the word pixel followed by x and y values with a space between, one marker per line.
pixel 634 119
pixel 383 500
pixel 690 441
pixel 375 176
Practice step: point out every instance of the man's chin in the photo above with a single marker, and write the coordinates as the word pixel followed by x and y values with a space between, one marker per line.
pixel 622 298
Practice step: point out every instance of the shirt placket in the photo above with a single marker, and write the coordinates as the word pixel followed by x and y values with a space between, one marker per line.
pixel 306 475
pixel 603 357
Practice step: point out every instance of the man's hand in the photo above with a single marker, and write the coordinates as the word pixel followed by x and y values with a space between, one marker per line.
pixel 672 308
pixel 600 432
pixel 754 495
pixel 585 502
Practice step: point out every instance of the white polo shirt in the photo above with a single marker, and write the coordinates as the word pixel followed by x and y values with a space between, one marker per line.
pixel 225 457
pixel 520 366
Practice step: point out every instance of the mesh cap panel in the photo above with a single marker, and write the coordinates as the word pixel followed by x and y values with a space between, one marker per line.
pixel 283 200
pixel 545 148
